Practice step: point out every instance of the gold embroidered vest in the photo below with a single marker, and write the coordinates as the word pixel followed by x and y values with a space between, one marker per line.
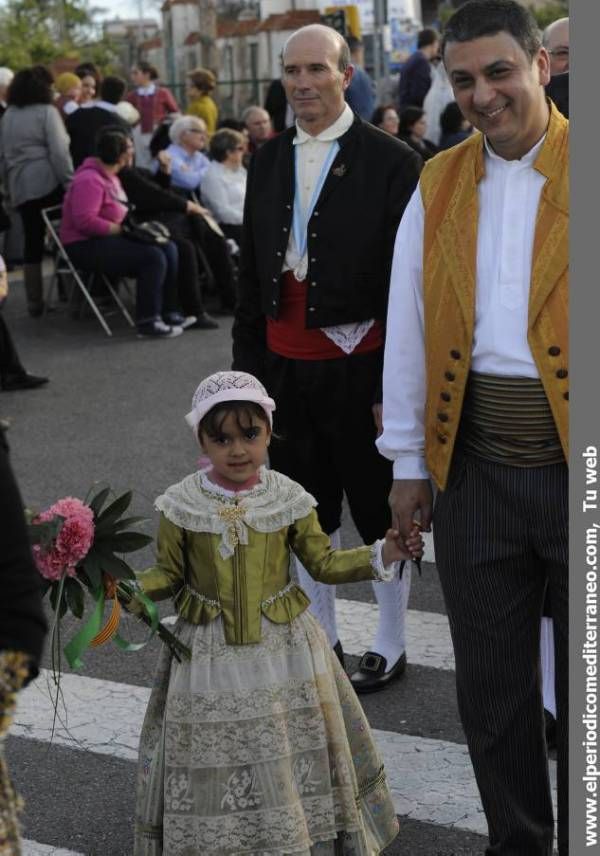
pixel 449 191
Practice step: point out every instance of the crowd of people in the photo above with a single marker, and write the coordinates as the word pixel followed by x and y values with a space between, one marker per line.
pixel 186 170
pixel 397 324
pixel 53 127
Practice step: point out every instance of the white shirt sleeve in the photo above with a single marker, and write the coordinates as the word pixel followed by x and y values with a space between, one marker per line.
pixel 404 375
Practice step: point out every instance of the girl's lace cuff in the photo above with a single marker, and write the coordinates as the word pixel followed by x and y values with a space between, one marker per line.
pixel 383 573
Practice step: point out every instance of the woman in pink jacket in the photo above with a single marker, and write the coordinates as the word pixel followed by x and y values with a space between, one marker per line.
pixel 91 230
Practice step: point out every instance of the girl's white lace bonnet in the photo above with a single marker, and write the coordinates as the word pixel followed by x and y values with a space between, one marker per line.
pixel 227 386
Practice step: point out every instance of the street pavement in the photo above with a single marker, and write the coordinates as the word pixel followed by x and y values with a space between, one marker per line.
pixel 113 414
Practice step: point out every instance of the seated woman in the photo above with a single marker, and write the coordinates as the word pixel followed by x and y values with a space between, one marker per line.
pixel 94 208
pixel 153 200
pixel 188 163
pixel 224 182
pixel 413 128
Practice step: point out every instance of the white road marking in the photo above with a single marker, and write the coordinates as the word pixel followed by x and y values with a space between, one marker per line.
pixel 33 848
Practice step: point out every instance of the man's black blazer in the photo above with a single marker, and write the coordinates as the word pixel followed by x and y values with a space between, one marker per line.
pixel 351 234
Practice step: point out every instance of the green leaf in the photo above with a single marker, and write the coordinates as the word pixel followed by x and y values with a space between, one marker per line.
pixel 129 542
pixel 45 531
pixel 98 501
pixel 104 530
pixel 112 512
pixel 75 597
pixel 92 569
pixel 114 566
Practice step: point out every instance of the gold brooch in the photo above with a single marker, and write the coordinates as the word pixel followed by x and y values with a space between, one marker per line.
pixel 232 514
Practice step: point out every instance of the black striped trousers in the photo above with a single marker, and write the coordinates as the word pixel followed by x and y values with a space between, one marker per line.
pixel 501 537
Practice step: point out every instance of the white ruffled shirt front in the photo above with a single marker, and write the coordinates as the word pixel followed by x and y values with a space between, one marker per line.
pixel 311 153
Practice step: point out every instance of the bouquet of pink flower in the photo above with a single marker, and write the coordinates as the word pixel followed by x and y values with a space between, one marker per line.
pixel 73 539
pixel 75 546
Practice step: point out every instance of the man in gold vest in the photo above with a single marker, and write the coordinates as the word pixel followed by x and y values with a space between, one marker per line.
pixel 475 398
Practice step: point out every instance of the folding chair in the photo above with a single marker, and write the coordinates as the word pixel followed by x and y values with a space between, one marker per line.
pixel 65 267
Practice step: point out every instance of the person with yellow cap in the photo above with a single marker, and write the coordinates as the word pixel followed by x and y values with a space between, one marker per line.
pixel 68 86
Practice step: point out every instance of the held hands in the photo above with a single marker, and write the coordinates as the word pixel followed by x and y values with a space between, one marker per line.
pixel 410 500
pixel 398 549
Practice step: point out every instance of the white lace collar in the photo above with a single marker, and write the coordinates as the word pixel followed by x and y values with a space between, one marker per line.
pixel 199 505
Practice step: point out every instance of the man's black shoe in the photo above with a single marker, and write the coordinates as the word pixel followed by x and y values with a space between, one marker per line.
pixel 11 383
pixel 371 675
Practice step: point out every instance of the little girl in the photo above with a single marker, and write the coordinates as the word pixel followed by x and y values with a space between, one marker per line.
pixel 258 745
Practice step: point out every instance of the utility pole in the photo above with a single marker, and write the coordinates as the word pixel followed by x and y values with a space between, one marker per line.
pixel 140 11
pixel 208 30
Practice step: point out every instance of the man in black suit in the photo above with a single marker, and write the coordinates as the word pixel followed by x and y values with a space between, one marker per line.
pixel 323 204
pixel 84 124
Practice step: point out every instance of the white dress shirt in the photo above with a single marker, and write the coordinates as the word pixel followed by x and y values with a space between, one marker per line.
pixel 508 198
pixel 311 153
pixel 224 191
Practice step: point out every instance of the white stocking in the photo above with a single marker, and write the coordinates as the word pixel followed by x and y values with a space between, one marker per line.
pixel 547 658
pixel 392 599
pixel 322 597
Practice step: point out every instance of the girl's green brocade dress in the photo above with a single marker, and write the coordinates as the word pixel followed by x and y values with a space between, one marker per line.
pixel 258 745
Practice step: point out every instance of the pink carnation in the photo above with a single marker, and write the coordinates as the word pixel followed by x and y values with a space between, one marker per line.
pixel 72 543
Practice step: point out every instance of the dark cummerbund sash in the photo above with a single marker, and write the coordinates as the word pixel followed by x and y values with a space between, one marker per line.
pixel 508 420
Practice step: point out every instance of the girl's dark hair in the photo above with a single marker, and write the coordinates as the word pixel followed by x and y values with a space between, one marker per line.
pixel 30 86
pixel 408 117
pixel 147 68
pixel 245 412
pixel 451 118
pixel 479 18
pixel 110 144
pixel 379 113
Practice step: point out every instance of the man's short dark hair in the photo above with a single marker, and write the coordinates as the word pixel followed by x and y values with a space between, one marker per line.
pixel 479 18
pixel 110 143
pixel 427 37
pixel 30 86
pixel 112 89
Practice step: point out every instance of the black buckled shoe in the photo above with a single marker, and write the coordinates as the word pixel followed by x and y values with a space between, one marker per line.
pixel 371 675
